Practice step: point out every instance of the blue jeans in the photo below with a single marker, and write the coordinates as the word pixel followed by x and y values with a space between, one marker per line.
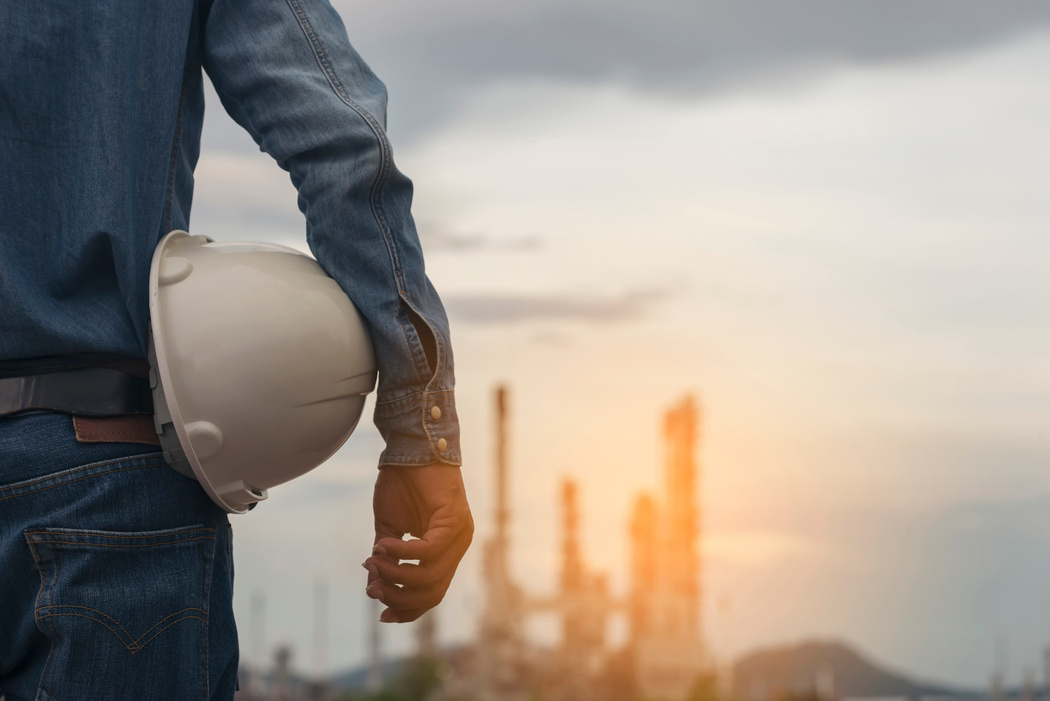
pixel 116 572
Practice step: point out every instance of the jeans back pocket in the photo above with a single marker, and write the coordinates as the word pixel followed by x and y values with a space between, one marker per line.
pixel 126 613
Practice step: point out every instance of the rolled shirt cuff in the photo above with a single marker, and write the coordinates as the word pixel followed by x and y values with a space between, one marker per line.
pixel 420 429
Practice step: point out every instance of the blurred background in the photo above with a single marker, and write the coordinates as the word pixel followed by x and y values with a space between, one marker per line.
pixel 823 221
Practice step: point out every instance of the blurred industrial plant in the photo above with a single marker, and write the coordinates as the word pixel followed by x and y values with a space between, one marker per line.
pixel 664 657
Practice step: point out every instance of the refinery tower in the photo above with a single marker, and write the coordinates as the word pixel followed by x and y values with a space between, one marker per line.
pixel 664 655
pixel 664 601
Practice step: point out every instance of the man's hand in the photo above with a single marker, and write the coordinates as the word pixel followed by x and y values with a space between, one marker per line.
pixel 429 503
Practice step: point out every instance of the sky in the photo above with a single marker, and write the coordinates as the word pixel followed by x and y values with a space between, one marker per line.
pixel 825 220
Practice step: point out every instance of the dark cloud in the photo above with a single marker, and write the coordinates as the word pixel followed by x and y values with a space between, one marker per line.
pixel 434 58
pixel 503 309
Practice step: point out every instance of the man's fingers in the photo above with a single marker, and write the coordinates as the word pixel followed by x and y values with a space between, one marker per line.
pixel 404 598
pixel 385 531
pixel 402 616
pixel 395 549
pixel 406 574
pixel 431 569
pixel 432 546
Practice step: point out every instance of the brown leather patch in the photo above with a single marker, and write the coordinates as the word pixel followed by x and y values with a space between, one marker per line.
pixel 132 428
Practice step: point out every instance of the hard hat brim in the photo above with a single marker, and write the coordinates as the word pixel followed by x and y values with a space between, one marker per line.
pixel 163 369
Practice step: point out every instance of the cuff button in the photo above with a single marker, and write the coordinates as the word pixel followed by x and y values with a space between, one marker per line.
pixel 435 412
pixel 442 445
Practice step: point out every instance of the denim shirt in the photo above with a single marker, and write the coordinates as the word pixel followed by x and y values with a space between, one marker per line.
pixel 101 107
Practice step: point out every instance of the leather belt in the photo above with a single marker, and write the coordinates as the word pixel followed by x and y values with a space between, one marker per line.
pixel 92 391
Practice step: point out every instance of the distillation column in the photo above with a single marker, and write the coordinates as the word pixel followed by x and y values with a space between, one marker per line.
pixel 500 644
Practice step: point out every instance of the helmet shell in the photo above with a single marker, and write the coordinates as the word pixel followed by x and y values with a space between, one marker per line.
pixel 260 364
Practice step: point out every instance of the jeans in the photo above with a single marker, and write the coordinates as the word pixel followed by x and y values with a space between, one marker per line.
pixel 116 572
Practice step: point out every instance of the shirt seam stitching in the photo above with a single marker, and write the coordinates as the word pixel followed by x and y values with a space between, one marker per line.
pixel 408 399
pixel 173 163
pixel 323 62
pixel 375 196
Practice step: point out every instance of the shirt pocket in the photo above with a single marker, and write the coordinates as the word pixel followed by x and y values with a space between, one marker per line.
pixel 126 614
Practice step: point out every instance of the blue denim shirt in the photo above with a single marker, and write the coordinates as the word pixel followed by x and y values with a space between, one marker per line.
pixel 101 107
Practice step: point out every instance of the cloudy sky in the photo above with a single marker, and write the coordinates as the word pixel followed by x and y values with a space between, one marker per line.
pixel 827 220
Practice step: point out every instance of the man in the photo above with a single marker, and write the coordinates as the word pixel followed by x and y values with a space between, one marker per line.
pixel 116 571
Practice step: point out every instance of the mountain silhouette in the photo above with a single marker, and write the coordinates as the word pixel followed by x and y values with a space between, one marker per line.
pixel 829 670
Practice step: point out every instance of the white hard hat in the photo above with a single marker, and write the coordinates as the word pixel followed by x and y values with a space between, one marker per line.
pixel 259 364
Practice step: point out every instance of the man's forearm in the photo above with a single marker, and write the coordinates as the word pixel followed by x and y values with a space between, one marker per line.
pixel 287 73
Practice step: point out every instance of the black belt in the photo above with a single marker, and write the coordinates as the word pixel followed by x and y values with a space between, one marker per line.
pixel 81 392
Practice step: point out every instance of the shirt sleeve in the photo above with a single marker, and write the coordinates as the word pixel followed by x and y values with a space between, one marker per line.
pixel 286 72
